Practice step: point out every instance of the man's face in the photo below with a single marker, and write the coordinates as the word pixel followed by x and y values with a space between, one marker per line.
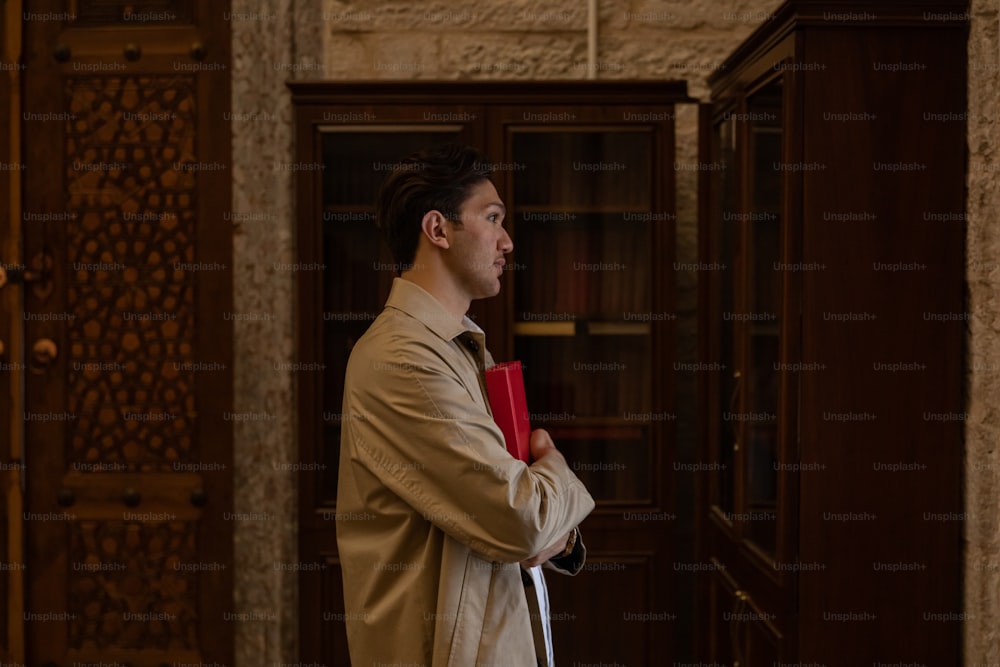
pixel 476 253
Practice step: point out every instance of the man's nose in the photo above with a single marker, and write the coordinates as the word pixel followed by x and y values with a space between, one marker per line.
pixel 506 244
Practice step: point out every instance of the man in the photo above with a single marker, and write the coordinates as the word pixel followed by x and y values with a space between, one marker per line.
pixel 435 519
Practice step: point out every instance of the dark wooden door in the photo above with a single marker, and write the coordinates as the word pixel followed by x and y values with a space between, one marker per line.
pixel 127 373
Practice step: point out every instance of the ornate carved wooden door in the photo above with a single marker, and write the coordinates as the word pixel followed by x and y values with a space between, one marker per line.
pixel 127 365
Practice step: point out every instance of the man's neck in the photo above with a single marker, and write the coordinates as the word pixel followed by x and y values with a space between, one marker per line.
pixel 442 290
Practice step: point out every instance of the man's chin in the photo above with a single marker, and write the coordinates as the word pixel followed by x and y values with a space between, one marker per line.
pixel 490 291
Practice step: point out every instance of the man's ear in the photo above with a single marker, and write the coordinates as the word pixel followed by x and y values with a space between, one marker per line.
pixel 435 228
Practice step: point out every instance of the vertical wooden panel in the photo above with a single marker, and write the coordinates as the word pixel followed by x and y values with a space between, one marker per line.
pixel 11 366
pixel 870 406
pixel 901 444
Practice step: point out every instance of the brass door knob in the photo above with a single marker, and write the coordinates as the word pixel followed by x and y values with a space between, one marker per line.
pixel 44 351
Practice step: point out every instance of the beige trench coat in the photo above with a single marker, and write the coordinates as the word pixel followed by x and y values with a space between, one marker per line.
pixel 433 514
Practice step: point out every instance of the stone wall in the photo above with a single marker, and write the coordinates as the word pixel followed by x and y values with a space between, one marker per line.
pixel 516 40
pixel 982 429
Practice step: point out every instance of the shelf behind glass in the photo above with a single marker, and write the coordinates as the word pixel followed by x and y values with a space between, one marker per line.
pixel 357 161
pixel 612 470
pixel 611 168
pixel 588 376
pixel 595 267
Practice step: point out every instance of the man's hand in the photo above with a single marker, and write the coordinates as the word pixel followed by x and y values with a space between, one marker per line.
pixel 540 444
pixel 554 550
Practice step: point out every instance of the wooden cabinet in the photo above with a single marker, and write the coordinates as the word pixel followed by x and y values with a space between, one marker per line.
pixel 831 316
pixel 587 174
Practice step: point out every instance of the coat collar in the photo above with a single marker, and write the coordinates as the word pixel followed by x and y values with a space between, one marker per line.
pixel 421 305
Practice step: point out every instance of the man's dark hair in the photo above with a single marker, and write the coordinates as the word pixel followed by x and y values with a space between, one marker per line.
pixel 437 178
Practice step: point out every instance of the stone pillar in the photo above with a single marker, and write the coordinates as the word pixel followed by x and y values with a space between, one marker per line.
pixel 265 588
pixel 982 428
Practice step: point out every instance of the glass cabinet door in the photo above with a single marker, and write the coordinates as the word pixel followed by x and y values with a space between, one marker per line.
pixel 726 216
pixel 746 287
pixel 583 229
pixel 764 272
pixel 359 267
pixel 590 201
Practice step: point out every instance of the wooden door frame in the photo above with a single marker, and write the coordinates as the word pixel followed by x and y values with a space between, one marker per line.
pixel 12 647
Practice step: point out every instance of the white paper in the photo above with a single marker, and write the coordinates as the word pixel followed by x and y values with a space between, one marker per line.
pixel 543 608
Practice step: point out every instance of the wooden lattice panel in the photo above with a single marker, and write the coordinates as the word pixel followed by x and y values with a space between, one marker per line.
pixel 133 585
pixel 130 177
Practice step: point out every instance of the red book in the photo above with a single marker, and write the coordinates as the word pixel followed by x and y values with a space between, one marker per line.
pixel 505 386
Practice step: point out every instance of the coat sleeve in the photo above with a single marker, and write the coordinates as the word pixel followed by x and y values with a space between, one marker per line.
pixel 415 426
pixel 572 563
